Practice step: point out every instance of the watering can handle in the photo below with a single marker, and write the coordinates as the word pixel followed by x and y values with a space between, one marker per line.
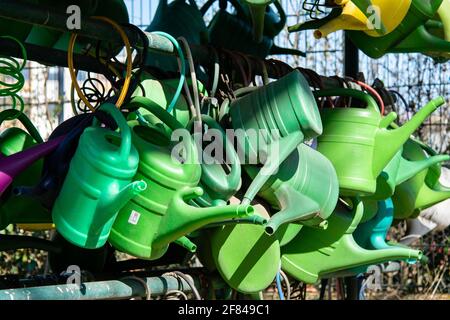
pixel 281 14
pixel 351 93
pixel 13 114
pixel 125 145
pixel 239 10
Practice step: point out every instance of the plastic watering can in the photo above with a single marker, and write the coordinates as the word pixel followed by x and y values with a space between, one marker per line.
pixel 416 194
pixel 245 256
pixel 258 12
pixel 410 35
pixel 179 18
pixel 314 253
pixel 305 189
pixel 15 209
pixel 234 33
pixel 149 223
pixel 16 29
pixel 98 183
pixel 358 143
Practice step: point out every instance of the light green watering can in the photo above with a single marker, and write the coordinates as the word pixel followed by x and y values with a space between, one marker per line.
pixel 150 222
pixel 358 143
pixel 18 209
pixel 416 194
pixel 245 256
pixel 272 121
pixel 316 253
pixel 305 189
pixel 98 183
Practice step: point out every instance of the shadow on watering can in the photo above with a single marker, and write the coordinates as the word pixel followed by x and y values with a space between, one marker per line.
pixel 358 143
pixel 316 253
pixel 423 190
pixel 98 183
pixel 149 223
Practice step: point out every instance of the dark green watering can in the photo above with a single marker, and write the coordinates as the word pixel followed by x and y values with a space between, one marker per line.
pixel 18 30
pixel 17 209
pixel 410 35
pixel 273 121
pixel 358 143
pixel 304 190
pixel 245 256
pixel 179 19
pixel 316 253
pixel 416 194
pixel 231 32
pixel 149 223
pixel 98 183
pixel 258 12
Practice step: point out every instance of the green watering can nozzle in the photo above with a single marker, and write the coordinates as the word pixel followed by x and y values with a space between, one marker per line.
pixel 186 243
pixel 323 225
pixel 125 195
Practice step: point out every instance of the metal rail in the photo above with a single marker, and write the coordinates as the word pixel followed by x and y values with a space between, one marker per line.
pixel 125 288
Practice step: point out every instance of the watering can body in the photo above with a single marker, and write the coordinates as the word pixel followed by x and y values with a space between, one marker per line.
pixel 98 184
pixel 15 29
pixel 245 256
pixel 358 143
pixel 179 19
pixel 16 209
pixel 305 189
pixel 149 223
pixel 315 253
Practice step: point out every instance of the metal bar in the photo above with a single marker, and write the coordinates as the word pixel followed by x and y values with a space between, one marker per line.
pixel 351 58
pixel 13 242
pixel 126 288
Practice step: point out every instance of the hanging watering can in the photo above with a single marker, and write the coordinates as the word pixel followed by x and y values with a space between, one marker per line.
pixel 258 12
pixel 270 134
pixel 358 143
pixel 245 256
pixel 14 209
pixel 415 194
pixel 98 183
pixel 149 223
pixel 18 30
pixel 179 19
pixel 409 34
pixel 233 33
pixel 305 189
pixel 316 253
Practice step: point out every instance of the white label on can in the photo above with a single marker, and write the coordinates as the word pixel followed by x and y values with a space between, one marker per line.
pixel 134 217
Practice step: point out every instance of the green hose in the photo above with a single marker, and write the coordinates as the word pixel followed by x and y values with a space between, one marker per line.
pixel 14 80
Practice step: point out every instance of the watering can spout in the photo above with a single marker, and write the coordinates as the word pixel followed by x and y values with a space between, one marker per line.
pixel 124 195
pixel 385 151
pixel 181 218
pixel 409 169
pixel 290 211
pixel 428 197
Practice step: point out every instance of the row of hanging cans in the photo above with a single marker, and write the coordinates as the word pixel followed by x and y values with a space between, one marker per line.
pixel 327 209
pixel 316 212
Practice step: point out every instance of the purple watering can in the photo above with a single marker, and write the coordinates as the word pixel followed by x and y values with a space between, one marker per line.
pixel 14 164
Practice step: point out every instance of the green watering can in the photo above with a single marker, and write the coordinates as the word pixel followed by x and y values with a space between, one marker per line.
pixel 411 34
pixel 234 33
pixel 245 256
pixel 399 170
pixel 316 253
pixel 17 209
pixel 98 183
pixel 149 223
pixel 267 134
pixel 258 12
pixel 416 194
pixel 305 190
pixel 358 143
pixel 179 19
pixel 16 29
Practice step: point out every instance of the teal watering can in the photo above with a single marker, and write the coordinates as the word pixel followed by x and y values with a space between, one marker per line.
pixel 316 253
pixel 149 223
pixel 244 255
pixel 416 194
pixel 305 190
pixel 179 19
pixel 358 143
pixel 17 209
pixel 98 183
